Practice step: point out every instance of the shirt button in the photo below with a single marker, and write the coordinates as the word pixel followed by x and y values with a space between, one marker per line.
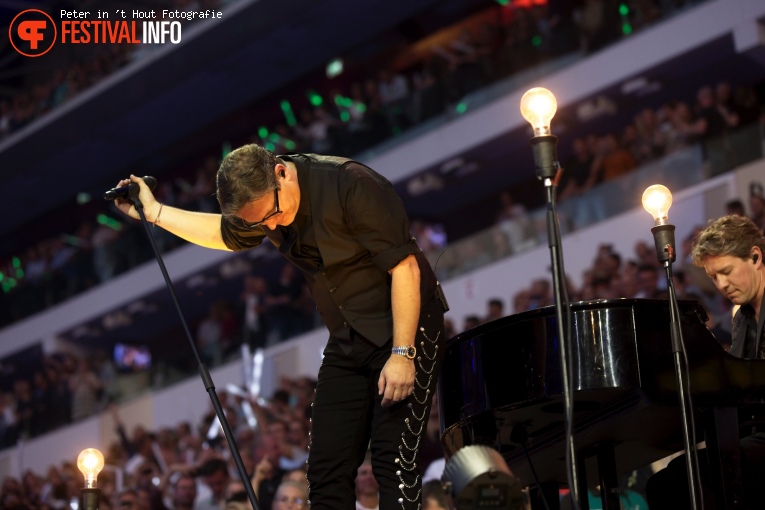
pixel 342 307
pixel 333 289
pixel 345 324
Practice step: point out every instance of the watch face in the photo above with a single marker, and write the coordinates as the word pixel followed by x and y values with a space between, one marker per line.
pixel 410 352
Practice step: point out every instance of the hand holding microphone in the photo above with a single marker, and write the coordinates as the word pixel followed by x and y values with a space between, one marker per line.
pixel 136 187
pixel 126 188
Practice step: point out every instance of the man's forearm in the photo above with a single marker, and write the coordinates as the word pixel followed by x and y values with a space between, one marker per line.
pixel 405 300
pixel 199 228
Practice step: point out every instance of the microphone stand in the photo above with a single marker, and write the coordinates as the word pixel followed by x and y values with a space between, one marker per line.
pixel 548 170
pixel 664 238
pixel 203 372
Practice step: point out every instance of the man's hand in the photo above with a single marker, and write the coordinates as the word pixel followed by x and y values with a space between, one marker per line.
pixel 264 470
pixel 150 204
pixel 396 380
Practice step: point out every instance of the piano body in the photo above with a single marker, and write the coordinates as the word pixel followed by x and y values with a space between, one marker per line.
pixel 501 386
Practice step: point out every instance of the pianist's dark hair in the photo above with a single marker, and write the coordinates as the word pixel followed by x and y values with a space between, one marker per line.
pixel 730 235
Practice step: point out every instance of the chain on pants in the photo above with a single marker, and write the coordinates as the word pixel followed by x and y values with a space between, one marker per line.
pixel 348 419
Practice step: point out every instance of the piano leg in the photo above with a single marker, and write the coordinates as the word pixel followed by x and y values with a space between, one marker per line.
pixel 607 477
pixel 581 468
pixel 609 482
pixel 724 452
pixel 550 491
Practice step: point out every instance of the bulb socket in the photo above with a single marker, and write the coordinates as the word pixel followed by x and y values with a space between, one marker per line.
pixel 545 149
pixel 90 498
pixel 664 238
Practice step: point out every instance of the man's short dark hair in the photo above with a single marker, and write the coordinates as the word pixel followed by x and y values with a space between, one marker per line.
pixel 433 489
pixel 496 302
pixel 237 497
pixel 246 174
pixel 472 321
pixel 211 466
pixel 647 267
pixel 735 206
pixel 281 395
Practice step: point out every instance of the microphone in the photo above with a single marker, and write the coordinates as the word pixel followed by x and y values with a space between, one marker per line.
pixel 127 191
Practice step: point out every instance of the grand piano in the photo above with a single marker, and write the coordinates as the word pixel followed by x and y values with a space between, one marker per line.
pixel 501 386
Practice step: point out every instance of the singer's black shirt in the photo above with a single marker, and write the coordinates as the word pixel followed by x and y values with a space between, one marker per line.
pixel 350 230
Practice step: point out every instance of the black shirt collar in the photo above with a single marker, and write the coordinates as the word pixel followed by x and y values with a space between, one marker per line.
pixel 303 173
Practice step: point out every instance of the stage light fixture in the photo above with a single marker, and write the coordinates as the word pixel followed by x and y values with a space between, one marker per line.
pixel 477 477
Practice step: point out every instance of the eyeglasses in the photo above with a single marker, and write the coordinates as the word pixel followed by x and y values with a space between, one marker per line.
pixel 268 216
pixel 286 500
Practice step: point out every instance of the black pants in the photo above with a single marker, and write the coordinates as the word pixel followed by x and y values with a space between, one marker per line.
pixel 347 419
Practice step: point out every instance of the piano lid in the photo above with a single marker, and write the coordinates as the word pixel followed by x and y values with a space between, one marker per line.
pixel 501 382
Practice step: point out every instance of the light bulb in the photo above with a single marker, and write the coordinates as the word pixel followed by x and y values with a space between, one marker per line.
pixel 657 200
pixel 538 106
pixel 90 462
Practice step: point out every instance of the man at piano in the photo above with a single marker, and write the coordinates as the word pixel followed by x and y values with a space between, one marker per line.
pixel 730 250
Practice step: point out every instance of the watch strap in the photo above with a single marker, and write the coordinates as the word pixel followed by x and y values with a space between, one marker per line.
pixel 408 351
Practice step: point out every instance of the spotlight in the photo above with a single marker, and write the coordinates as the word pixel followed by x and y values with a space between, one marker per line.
pixel 477 477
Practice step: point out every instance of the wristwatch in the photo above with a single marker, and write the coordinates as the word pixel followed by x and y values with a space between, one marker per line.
pixel 407 350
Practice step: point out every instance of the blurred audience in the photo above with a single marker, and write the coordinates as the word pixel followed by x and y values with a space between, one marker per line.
pixel 367 489
pixel 444 67
pixel 66 388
